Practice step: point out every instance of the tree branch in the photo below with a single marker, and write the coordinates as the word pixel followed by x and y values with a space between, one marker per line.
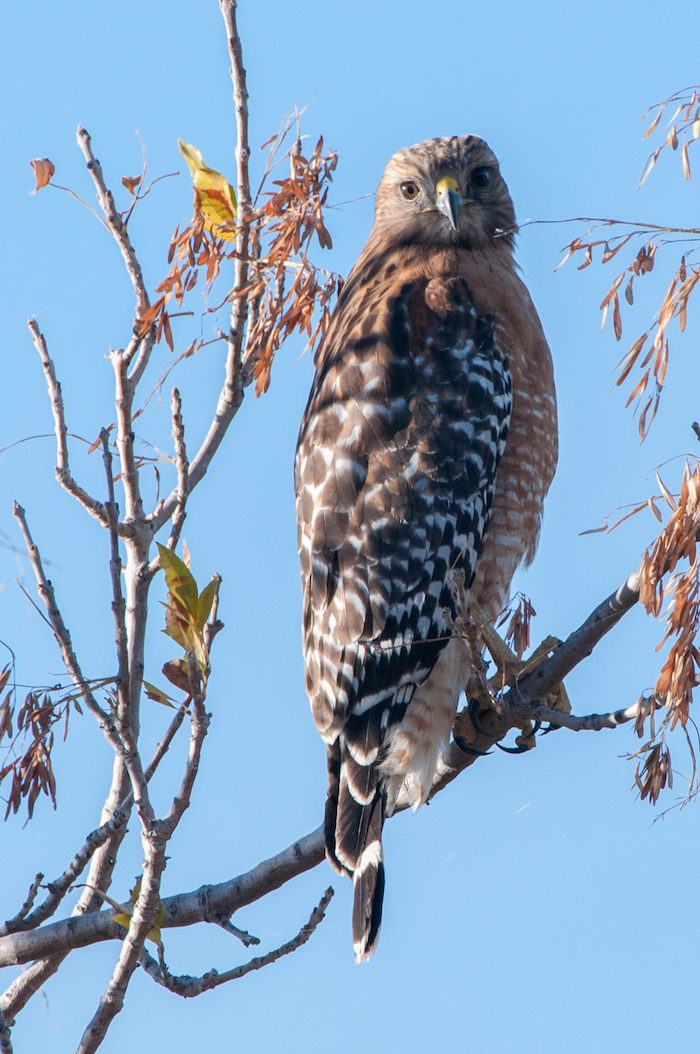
pixel 231 395
pixel 183 469
pixel 115 568
pixel 63 475
pixel 116 225
pixel 593 722
pixel 58 626
pixel 61 885
pixel 206 904
pixel 214 903
pixel 189 987
pixel 17 922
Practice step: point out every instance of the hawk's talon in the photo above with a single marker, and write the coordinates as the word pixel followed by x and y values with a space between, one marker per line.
pixel 550 728
pixel 538 725
pixel 466 749
pixel 473 708
pixel 513 750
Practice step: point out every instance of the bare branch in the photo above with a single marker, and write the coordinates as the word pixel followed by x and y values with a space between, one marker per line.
pixel 133 506
pixel 97 838
pixel 183 468
pixel 155 836
pixel 577 646
pixel 200 723
pixel 525 697
pixel 116 226
pixel 141 924
pixel 115 567
pixel 101 867
pixel 63 475
pixel 591 722
pixel 189 987
pixel 206 904
pixel 59 627
pixel 231 395
pixel 214 903
pixel 17 921
pixel 243 936
pixel 29 982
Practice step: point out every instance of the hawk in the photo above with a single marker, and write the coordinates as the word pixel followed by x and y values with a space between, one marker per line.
pixel 428 444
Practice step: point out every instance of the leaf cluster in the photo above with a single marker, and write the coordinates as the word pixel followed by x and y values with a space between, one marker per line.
pixel 27 762
pixel 654 362
pixel 285 289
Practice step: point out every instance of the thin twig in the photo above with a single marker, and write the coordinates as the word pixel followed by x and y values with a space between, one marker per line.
pixel 61 885
pixel 63 475
pixel 115 568
pixel 189 987
pixel 59 627
pixel 231 395
pixel 116 226
pixel 183 468
pixel 17 921
pixel 165 828
pixel 601 220
pixel 101 867
pixel 124 399
pixel 72 193
pixel 243 936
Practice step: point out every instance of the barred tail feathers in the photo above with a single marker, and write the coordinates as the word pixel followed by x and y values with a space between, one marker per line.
pixel 355 812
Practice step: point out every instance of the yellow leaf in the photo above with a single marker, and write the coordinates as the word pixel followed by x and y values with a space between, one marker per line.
pixel 214 197
pixel 157 695
pixel 191 155
pixel 125 916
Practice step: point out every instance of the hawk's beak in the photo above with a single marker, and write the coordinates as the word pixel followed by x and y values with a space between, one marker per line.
pixel 449 201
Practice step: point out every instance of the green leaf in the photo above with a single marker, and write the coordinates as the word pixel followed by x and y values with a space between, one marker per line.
pixel 206 599
pixel 179 579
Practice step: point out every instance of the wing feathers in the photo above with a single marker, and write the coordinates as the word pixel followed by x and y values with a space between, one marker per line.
pixel 396 465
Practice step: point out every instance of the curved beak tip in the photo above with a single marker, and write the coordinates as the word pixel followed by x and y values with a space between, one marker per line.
pixel 449 203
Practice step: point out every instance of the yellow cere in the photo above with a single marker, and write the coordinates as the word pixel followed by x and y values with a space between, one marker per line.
pixel 447 183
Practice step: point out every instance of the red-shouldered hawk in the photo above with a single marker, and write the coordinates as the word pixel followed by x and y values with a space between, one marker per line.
pixel 428 443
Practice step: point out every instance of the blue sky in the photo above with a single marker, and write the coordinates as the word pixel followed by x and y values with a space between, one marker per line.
pixel 533 906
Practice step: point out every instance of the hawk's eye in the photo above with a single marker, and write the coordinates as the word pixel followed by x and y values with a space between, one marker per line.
pixel 480 178
pixel 409 191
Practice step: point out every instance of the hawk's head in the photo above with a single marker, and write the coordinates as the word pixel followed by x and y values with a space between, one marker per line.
pixel 444 192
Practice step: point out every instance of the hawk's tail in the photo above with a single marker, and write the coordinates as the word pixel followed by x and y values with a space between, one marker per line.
pixel 353 829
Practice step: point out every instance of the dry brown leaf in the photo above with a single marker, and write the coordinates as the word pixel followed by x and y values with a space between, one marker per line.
pixel 131 183
pixel 652 127
pixel 43 170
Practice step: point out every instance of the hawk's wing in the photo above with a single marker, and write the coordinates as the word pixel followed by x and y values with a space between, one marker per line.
pixel 397 457
pixel 396 465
